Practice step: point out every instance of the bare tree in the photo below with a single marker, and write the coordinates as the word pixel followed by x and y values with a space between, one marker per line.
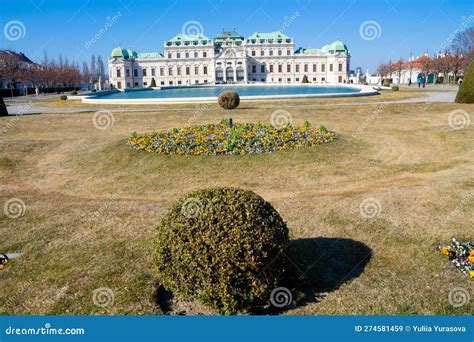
pixel 93 70
pixel 10 68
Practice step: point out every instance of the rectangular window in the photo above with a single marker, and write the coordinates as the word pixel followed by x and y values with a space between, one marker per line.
pixel 136 84
pixel 170 82
pixel 323 79
pixel 204 54
pixel 162 82
pixel 297 79
pixel 127 72
pixel 205 70
pixel 162 71
pixel 118 73
pixel 306 68
pixel 144 83
pixel 262 68
pixel 188 70
pixel 270 52
pixel 253 52
pixel 128 84
pixel 288 52
pixel 330 67
pixel 119 84
pixel 178 55
pixel 205 81
pixel 280 68
pixel 314 79
pixel 340 79
pixel 254 69
pixel 279 52
pixel 196 82
pixel 288 68
pixel 262 80
pixel 179 82
pixel 153 71
pixel 178 71
pixel 262 53
pixel 314 67
pixel 196 70
pixel 323 68
pixel 144 72
pixel 195 54
pixel 186 54
pixel 340 67
pixel 297 68
pixel 135 72
pixel 170 55
pixel 170 71
pixel 288 80
pixel 271 67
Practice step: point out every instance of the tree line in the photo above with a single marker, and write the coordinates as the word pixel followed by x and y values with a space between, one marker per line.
pixel 452 61
pixel 49 73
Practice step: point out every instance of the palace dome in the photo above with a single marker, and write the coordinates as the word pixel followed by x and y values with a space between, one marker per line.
pixel 338 46
pixel 132 53
pixel 118 52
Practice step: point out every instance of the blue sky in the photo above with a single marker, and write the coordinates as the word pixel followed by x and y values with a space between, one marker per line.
pixel 393 28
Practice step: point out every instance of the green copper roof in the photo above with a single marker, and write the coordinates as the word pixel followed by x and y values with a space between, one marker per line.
pixel 189 39
pixel 150 55
pixel 118 52
pixel 268 35
pixel 229 34
pixel 338 46
pixel 132 53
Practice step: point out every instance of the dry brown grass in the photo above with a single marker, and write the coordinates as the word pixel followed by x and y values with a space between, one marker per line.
pixel 64 169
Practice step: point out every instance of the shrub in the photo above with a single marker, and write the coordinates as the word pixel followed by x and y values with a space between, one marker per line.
pixel 395 88
pixel 153 83
pixel 3 108
pixel 221 246
pixel 466 90
pixel 228 99
pixel 63 97
pixel 93 90
pixel 386 82
pixel 305 79
pixel 73 92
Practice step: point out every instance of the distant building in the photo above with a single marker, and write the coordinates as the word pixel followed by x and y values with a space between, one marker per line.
pixel 229 58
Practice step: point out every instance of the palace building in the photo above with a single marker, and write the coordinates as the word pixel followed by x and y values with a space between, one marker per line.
pixel 229 58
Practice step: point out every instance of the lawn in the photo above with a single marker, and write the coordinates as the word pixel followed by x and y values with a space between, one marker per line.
pixel 92 205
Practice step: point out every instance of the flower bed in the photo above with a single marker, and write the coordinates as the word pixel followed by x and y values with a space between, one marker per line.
pixel 223 138
pixel 461 255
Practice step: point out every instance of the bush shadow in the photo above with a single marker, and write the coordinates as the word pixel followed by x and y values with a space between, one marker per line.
pixel 318 266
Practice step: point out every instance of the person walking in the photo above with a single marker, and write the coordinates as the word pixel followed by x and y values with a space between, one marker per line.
pixel 419 80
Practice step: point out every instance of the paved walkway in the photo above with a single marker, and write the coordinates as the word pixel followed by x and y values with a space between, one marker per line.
pixel 22 108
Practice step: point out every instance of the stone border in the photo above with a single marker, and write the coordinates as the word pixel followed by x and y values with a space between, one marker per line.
pixel 364 91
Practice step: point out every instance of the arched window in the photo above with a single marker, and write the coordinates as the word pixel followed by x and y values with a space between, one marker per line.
pixel 219 74
pixel 229 73
pixel 240 73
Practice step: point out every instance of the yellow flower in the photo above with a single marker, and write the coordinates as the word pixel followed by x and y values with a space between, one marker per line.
pixel 471 274
pixel 444 250
pixel 471 258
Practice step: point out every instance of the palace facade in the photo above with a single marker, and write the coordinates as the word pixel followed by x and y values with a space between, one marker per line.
pixel 229 58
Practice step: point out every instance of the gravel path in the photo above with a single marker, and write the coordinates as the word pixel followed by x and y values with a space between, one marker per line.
pixel 15 108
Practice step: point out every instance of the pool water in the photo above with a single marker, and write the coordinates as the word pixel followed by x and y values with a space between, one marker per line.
pixel 214 91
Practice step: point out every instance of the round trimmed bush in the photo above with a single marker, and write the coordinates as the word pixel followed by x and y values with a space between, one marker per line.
pixel 466 90
pixel 395 88
pixel 63 97
pixel 228 99
pixel 221 246
pixel 73 92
